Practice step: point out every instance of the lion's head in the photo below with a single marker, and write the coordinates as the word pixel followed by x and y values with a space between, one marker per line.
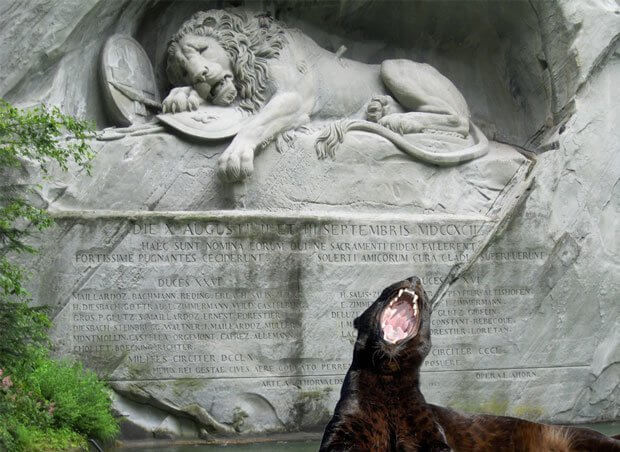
pixel 222 53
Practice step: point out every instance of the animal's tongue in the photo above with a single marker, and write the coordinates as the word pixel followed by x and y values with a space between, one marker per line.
pixel 392 334
pixel 397 321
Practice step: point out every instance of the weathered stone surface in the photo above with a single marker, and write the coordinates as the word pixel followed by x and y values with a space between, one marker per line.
pixel 127 81
pixel 575 206
pixel 231 311
pixel 50 51
pixel 294 253
pixel 163 172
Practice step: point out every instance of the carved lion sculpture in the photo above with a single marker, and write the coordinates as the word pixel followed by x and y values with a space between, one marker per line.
pixel 284 78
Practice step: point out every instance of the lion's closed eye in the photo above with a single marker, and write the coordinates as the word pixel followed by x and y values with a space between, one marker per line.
pixel 198 47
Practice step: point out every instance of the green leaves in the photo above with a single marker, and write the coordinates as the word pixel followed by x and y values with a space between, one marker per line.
pixel 24 334
pixel 52 405
pixel 80 399
pixel 16 218
pixel 43 135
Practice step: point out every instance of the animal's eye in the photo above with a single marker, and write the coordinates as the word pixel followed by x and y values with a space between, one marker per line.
pixel 199 48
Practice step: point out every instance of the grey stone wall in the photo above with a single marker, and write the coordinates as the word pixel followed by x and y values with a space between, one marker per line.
pixel 222 309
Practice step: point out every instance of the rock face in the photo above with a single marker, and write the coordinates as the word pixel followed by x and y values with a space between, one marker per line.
pixel 227 308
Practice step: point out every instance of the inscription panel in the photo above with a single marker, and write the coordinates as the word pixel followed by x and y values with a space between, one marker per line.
pixel 271 301
pixel 213 299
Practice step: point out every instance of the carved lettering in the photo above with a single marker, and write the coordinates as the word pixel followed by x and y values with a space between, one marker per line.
pixel 188 312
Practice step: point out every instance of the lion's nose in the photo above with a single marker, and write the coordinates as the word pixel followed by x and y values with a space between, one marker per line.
pixel 201 76
pixel 213 74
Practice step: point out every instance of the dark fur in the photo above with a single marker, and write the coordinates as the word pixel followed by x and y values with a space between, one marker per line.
pixel 381 407
pixel 486 433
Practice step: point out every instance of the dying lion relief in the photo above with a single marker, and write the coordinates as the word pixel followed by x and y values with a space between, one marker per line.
pixel 381 407
pixel 282 79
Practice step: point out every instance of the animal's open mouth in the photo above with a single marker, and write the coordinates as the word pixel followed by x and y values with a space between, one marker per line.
pixel 400 319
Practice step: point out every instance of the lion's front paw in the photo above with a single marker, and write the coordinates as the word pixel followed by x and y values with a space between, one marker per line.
pixel 237 161
pixel 181 99
pixel 401 123
pixel 377 108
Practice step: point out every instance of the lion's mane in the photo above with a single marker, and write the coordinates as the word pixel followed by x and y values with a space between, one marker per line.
pixel 249 41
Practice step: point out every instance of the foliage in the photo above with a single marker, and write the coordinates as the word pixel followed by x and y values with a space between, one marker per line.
pixel 40 135
pixel 22 326
pixel 44 404
pixel 35 440
pixel 57 401
pixel 28 421
pixel 24 331
pixel 81 399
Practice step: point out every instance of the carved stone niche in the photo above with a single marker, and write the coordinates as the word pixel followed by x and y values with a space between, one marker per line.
pixel 212 265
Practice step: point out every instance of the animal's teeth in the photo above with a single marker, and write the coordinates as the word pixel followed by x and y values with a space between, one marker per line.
pixel 400 292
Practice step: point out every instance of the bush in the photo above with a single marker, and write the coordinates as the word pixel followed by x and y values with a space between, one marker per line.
pixel 56 405
pixel 36 440
pixel 42 136
pixel 24 331
pixel 44 404
pixel 80 400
